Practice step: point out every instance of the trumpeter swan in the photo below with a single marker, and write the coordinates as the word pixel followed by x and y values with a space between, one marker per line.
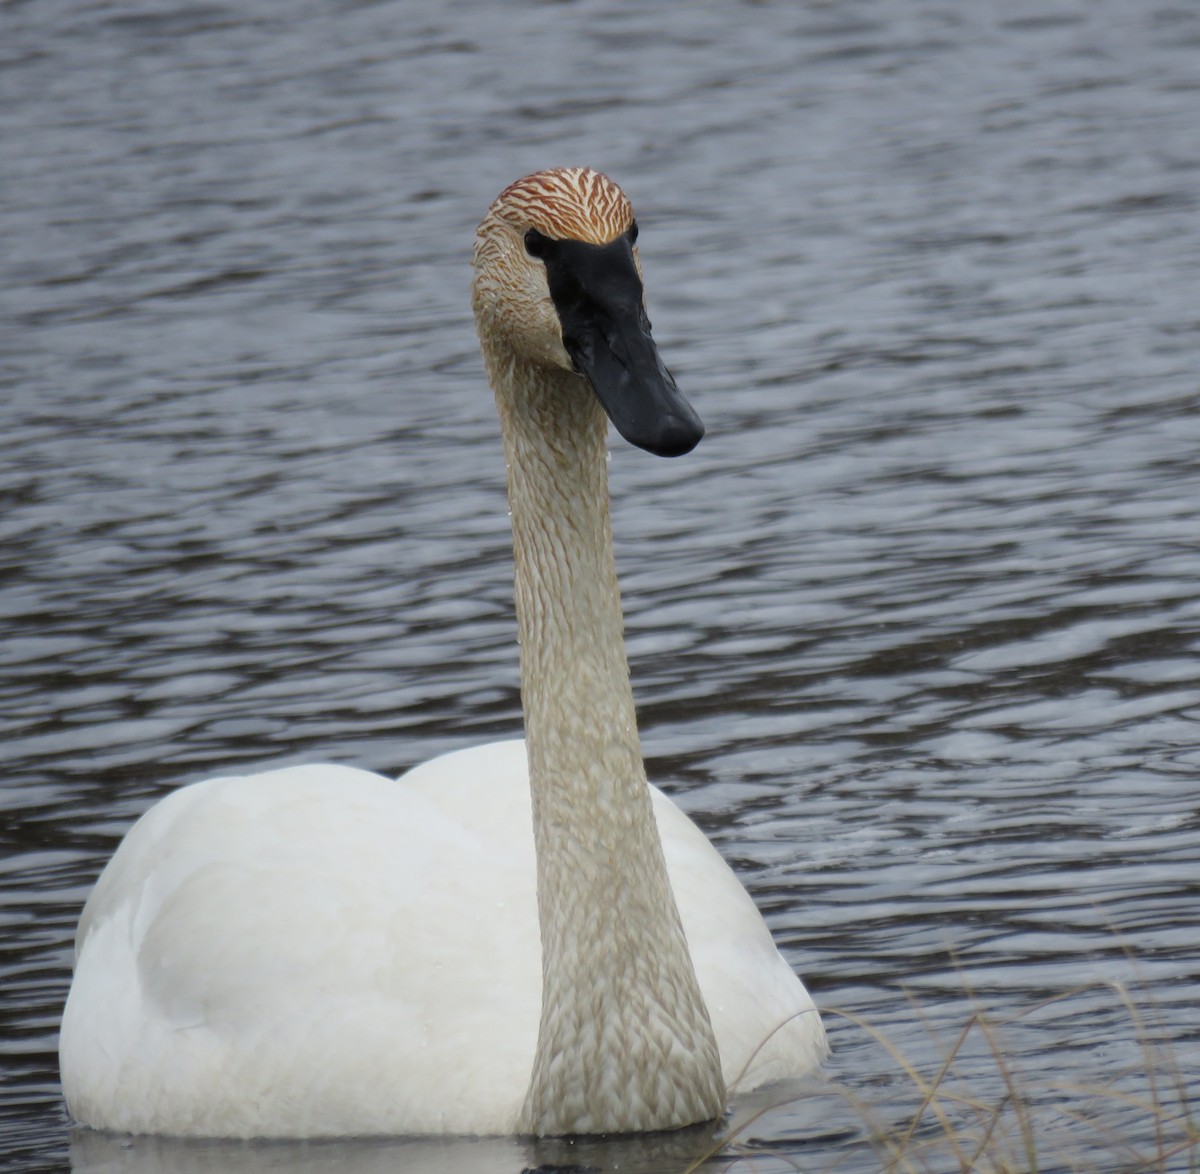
pixel 521 937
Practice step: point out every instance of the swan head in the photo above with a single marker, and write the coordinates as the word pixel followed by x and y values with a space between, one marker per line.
pixel 558 285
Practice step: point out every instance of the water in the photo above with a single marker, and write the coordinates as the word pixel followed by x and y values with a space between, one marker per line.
pixel 914 631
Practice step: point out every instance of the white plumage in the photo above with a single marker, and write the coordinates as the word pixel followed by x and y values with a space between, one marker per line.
pixel 323 951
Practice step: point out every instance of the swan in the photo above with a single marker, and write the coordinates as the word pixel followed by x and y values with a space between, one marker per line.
pixel 521 937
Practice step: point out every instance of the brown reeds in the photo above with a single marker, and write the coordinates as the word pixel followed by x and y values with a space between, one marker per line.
pixel 988 1116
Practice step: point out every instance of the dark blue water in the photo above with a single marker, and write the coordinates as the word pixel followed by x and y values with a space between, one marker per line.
pixel 914 633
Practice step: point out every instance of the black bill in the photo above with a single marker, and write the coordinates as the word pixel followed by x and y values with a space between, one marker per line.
pixel 598 295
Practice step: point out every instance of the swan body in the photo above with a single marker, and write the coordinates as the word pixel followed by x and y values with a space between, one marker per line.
pixel 210 1011
pixel 520 937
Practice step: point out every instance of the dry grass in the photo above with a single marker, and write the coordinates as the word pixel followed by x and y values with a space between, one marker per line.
pixel 1137 1118
pixel 1039 1124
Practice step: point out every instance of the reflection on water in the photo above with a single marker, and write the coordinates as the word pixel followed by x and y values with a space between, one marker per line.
pixel 93 1153
pixel 913 632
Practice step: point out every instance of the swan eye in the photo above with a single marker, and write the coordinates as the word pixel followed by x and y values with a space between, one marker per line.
pixel 633 233
pixel 537 245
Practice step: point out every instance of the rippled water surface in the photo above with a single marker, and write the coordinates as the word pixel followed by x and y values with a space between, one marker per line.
pixel 914 632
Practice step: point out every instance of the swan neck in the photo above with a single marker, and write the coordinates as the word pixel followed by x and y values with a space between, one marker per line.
pixel 625 1042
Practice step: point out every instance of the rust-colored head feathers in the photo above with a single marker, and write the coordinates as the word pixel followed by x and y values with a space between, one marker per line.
pixel 566 203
